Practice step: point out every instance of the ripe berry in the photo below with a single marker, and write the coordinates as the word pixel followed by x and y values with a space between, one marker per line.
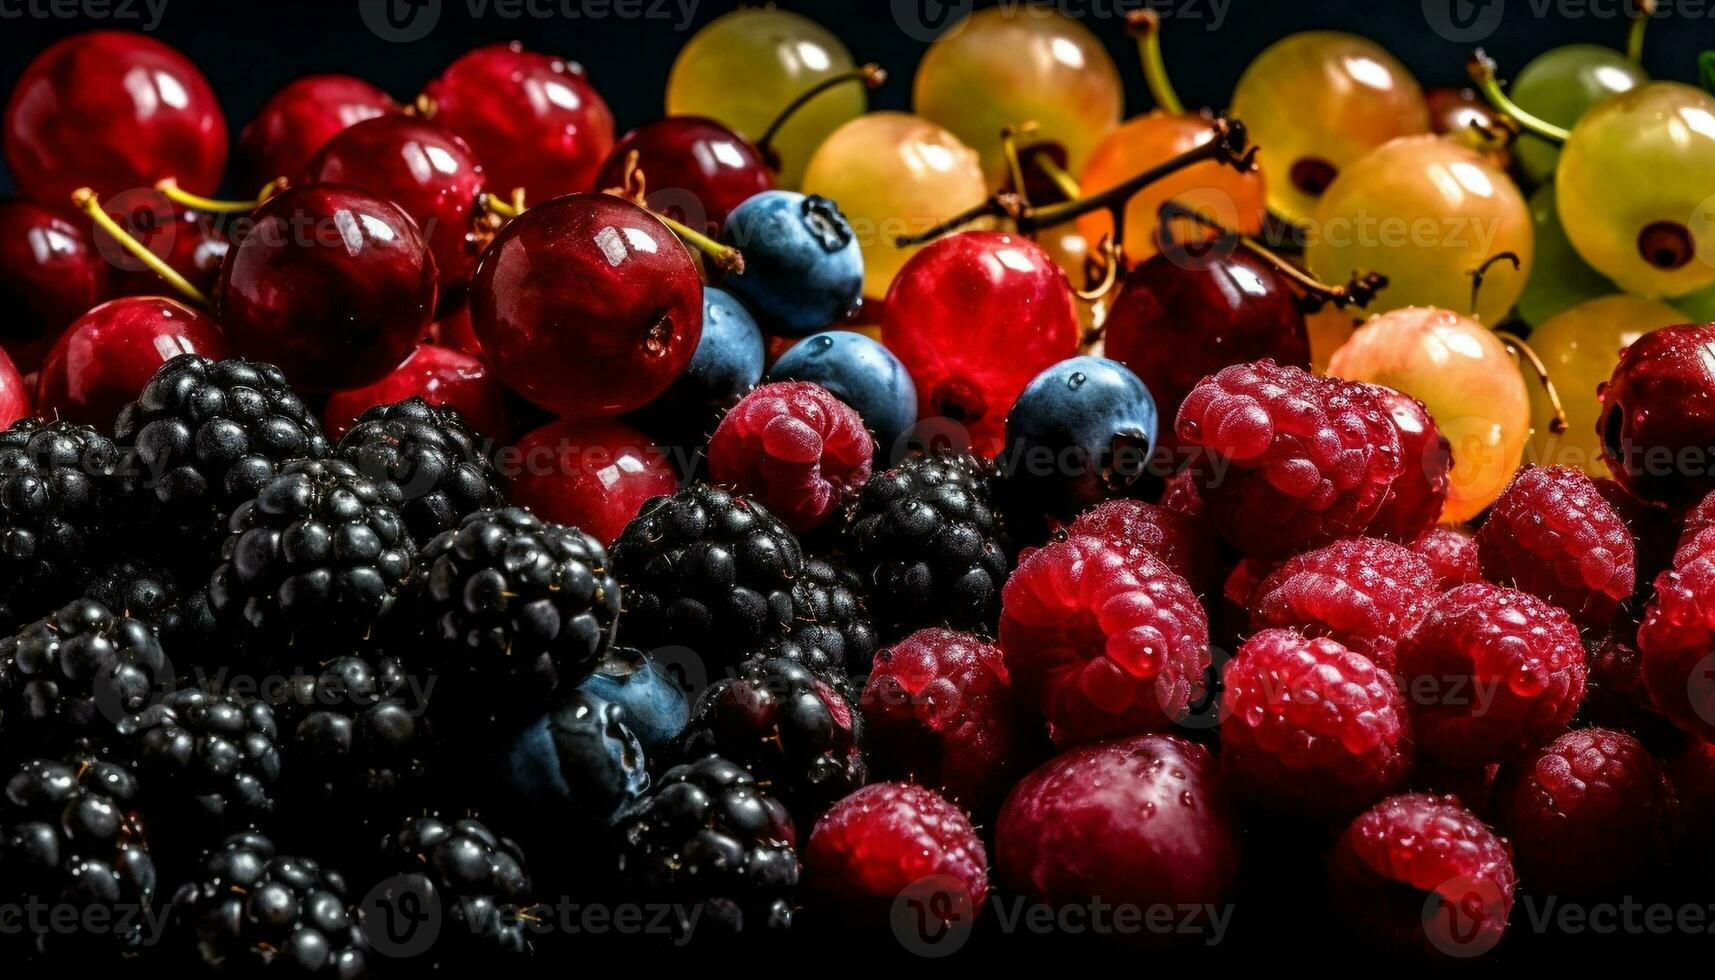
pixel 941 710
pixel 1365 593
pixel 1451 553
pixel 441 376
pixel 1588 812
pixel 697 170
pixel 594 474
pixel 1296 460
pixel 803 270
pixel 726 365
pixel 795 448
pixel 439 466
pixel 50 274
pixel 298 120
pixel 860 372
pixel 1415 500
pixel 68 680
pixel 574 768
pixel 1656 426
pixel 883 840
pixel 1104 640
pixel 1421 872
pixel 1312 728
pixel 1490 673
pixel 107 355
pixel 1677 635
pixel 1183 544
pixel 1079 433
pixel 59 486
pixel 1552 534
pixel 477 878
pixel 656 708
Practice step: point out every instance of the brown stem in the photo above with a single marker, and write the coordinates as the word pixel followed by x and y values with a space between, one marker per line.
pixel 1357 291
pixel 1521 350
pixel 871 75
pixel 1482 270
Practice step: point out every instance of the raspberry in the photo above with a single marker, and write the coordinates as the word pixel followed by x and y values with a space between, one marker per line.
pixel 941 709
pixel 1588 812
pixel 1551 533
pixel 1312 727
pixel 1490 673
pixel 794 447
pixel 1182 543
pixel 1180 494
pixel 1365 593
pixel 1297 460
pixel 1415 499
pixel 1422 871
pixel 1451 553
pixel 886 838
pixel 1655 530
pixel 1676 638
pixel 1618 696
pixel 1142 820
pixel 1107 641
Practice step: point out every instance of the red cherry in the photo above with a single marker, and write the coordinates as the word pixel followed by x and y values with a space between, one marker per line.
pixel 298 120
pixel 49 276
pixel 453 329
pixel 440 376
pixel 1182 315
pixel 595 474
pixel 423 168
pixel 534 120
pixel 697 170
pixel 104 359
pixel 587 305
pixel 14 396
pixel 974 317
pixel 330 282
pixel 113 110
pixel 189 241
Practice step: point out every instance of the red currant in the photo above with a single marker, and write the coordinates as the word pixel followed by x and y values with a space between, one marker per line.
pixel 594 474
pixel 49 276
pixel 105 358
pixel 298 120
pixel 439 375
pixel 696 169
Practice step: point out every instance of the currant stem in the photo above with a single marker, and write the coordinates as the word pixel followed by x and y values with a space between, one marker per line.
pixel 84 199
pixel 1482 70
pixel 494 205
pixel 725 257
pixel 1482 270
pixel 1635 33
pixel 1358 291
pixel 871 75
pixel 1145 25
pixel 1113 259
pixel 1522 351
pixel 1009 149
pixel 1053 171
pixel 171 190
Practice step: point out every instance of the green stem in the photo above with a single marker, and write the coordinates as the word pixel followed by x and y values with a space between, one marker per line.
pixel 1145 25
pixel 85 200
pixel 1482 70
pixel 1635 33
pixel 871 75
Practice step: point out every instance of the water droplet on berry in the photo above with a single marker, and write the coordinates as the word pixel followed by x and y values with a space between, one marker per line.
pixel 1076 380
pixel 655 342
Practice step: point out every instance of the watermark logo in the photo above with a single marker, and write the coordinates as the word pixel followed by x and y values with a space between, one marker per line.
pixel 402 917
pixel 1464 918
pixel 933 916
pixel 1700 688
pixel 400 21
pixel 924 20
pixel 1464 21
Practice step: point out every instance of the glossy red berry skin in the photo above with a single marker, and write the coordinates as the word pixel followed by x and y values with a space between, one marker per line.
pixel 1180 317
pixel 534 120
pixel 112 110
pixel 1588 812
pixel 1678 635
pixel 50 274
pixel 1290 460
pixel 1104 639
pixel 1311 728
pixel 1365 593
pixel 1142 820
pixel 423 168
pixel 941 709
pixel 14 395
pixel 1418 844
pixel 697 169
pixel 974 317
pixel 331 283
pixel 297 121
pixel 1658 422
pixel 1551 533
pixel 453 329
pixel 884 840
pixel 441 376
pixel 796 448
pixel 1183 543
pixel 587 305
pixel 104 359
pixel 594 474
pixel 1490 673
pixel 188 241
pixel 1415 499
pixel 1452 555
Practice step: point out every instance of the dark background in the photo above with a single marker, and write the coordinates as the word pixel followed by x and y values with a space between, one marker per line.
pixel 249 48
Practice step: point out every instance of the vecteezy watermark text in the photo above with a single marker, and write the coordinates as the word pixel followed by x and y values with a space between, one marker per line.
pixel 145 14
pixel 404 21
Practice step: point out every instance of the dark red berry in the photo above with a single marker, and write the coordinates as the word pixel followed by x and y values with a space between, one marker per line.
pixel 298 120
pixel 1678 635
pixel 1552 534
pixel 884 840
pixel 1183 544
pixel 1451 553
pixel 1414 501
pixel 796 448
pixel 1366 593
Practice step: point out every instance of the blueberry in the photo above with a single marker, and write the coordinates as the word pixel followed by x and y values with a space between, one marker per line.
pixel 728 360
pixel 656 707
pixel 1079 433
pixel 803 269
pixel 861 373
pixel 578 762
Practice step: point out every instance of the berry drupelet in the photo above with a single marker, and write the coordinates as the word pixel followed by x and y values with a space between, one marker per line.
pixel 795 448
pixel 156 593
pixel 438 464
pixel 70 679
pixel 319 554
pixel 925 534
pixel 58 485
pixel 831 622
pixel 1451 554
pixel 711 842
pixel 207 435
pixel 476 878
pixel 708 570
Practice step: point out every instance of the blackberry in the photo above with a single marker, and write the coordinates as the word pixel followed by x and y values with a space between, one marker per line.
pixel 58 484
pixel 320 553
pixel 832 619
pixel 707 570
pixel 475 878
pixel 253 909
pixel 522 608
pixel 71 678
pixel 710 844
pixel 209 763
pixel 792 729
pixel 70 838
pixel 437 462
pixel 926 537
pixel 206 435
pixel 156 594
